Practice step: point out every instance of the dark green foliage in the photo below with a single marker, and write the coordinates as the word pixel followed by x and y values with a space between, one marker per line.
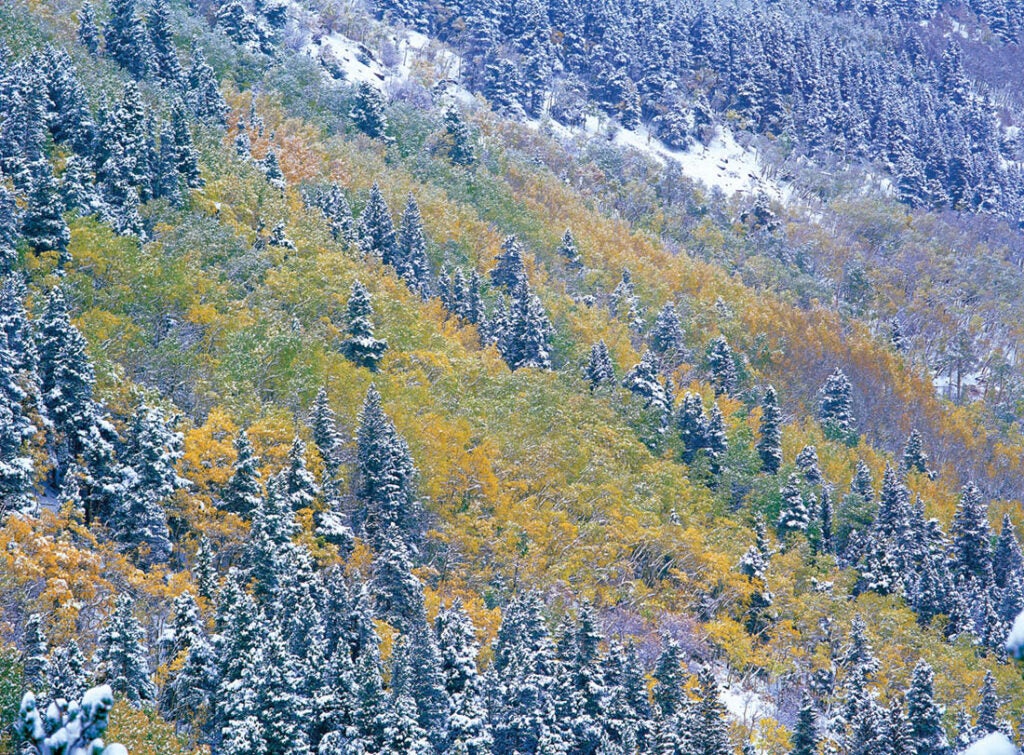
pixel 122 655
pixel 722 365
pixel 243 491
pixel 460 146
pixel 769 445
pixel 377 235
pixel 368 111
pixel 409 254
pixel 836 412
pixel 88 32
pixel 509 272
pixel 42 223
pixel 805 735
pixel 599 370
pixel 126 40
pixel 361 347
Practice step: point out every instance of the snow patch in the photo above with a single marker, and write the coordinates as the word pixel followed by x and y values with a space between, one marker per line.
pixel 992 744
pixel 1015 642
pixel 744 705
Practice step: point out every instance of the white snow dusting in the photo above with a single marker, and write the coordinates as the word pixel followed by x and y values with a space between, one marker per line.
pixel 1015 642
pixel 992 744
pixel 744 705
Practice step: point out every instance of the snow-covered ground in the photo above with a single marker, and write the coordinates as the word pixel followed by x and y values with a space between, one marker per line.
pixel 744 705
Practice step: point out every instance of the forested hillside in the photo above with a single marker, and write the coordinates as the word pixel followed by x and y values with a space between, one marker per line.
pixel 409 378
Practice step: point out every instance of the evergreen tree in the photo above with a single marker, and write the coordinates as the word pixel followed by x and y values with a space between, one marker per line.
pixel 805 735
pixel 625 304
pixel 243 490
pixel 42 223
pixel 376 230
pixel 386 475
pixel 769 445
pixel 526 341
pixel 836 412
pixel 988 709
pixel 460 146
pixel 826 520
pixel 34 661
pixel 568 251
pixel 361 347
pixel 668 692
pixel 335 208
pixel 711 736
pixel 164 62
pixel 417 673
pixel 17 472
pixel 88 32
pixel 410 252
pixel 368 111
pixel 66 673
pixel 807 463
pixel 297 484
pixel 397 591
pixel 862 485
pixel 272 170
pixel 1007 560
pixel 914 457
pixel 642 380
pixel 203 95
pixel 186 158
pixel 722 366
pixel 667 337
pixel 122 655
pixel 599 370
pixel 9 231
pixel 203 571
pixel 127 42
pixel 693 425
pixel 972 537
pixel 509 270
pixel 715 440
pixel 794 516
pixel 324 425
pixel 927 735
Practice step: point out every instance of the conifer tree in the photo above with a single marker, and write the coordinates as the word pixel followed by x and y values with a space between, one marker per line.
pixel 326 436
pixel 1007 560
pixel 17 470
pixel 836 412
pixel 409 257
pixel 272 170
pixel 417 673
pixel 807 463
pixel 368 111
pixel 668 675
pixel 827 520
pixel 386 475
pixel 460 146
pixel 88 32
pixel 377 235
pixel 336 209
pixel 243 490
pixel 397 591
pixel 642 380
pixel 972 537
pixel 862 484
pixel 361 347
pixel 9 231
pixel 914 457
pixel 599 370
pixel 186 158
pixel 526 340
pixel 711 736
pixel 722 366
pixel 35 663
pixel 568 251
pixel 625 304
pixel 715 440
pixel 693 425
pixel 203 96
pixel 122 655
pixel 127 42
pixel 769 445
pixel 805 735
pixel 667 337
pixel 297 482
pixel 987 713
pixel 66 674
pixel 203 571
pixel 42 223
pixel 927 735
pixel 509 271
pixel 164 62
pixel 793 516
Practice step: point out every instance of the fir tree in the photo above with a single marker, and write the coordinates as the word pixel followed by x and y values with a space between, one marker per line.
pixel 807 463
pixel 862 485
pixel 722 366
pixel 826 520
pixel 715 440
pixel 526 341
pixel 794 516
pixel 568 251
pixel 203 571
pixel 914 457
pixel 987 713
pixel 42 223
pixel 599 370
pixel 34 661
pixel 361 347
pixel 410 252
pixel 927 735
pixel 692 424
pixel 667 337
pixel 460 146
pixel 386 475
pixel 368 111
pixel 297 482
pixel 972 537
pixel 642 380
pixel 186 158
pixel 326 436
pixel 9 231
pixel 272 170
pixel 122 655
pixel 805 735
pixel 376 230
pixel 67 677
pixel 836 412
pixel 1007 560
pixel 127 42
pixel 88 32
pixel 769 445
pixel 243 490
pixel 397 591
pixel 17 471
pixel 625 304
pixel 164 62
pixel 668 675
pixel 711 736
pixel 509 270
pixel 203 96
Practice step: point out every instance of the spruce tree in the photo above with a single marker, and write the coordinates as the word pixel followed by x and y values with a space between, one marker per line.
pixel 297 483
pixel 385 475
pixel 807 463
pixel 914 457
pixel 568 251
pixel 668 690
pixel 715 440
pixel 272 170
pixel 324 425
pixel 692 424
pixel 642 380
pixel 836 411
pixel 243 490
pixel 987 713
pixel 42 223
pixel 88 32
pixel 769 445
pixel 509 271
pixel 826 520
pixel 805 735
pixel 67 677
pixel 9 231
pixel 17 470
pixel 927 735
pixel 34 661
pixel 599 370
pixel 203 96
pixel 186 158
pixel 127 42
pixel 972 537
pixel 711 736
pixel 122 655
pixel 377 235
pixel 723 367
pixel 526 341
pixel 368 111
pixel 397 591
pixel 1007 560
pixel 410 251
pixel 793 516
pixel 164 63
pixel 460 146
pixel 667 338
pixel 361 347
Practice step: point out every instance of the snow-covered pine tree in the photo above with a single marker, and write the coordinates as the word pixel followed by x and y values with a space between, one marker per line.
pixel 361 347
pixel 769 444
pixel 599 370
pixel 805 734
pixel 368 111
pixel 1007 560
pixel 122 655
pixel 186 157
pixel 9 231
pixel 625 304
pixel 88 31
pixel 836 410
pixel 75 729
pixel 126 40
pixel 377 235
pixel 164 62
pixel 460 145
pixel 569 252
pixel 203 96
pixel 722 366
pixel 398 593
pixel 66 674
pixel 642 380
pixel 793 516
pixel 972 538
pixel 509 271
pixel 324 425
pixel 807 463
pixel 42 222
pixel 297 483
pixel 526 341
pixel 34 661
pixel 667 338
pixel 17 471
pixel 243 491
pixel 410 250
pixel 692 424
pixel 668 694
pixel 271 168
pixel 385 475
pixel 927 734
pixel 711 736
